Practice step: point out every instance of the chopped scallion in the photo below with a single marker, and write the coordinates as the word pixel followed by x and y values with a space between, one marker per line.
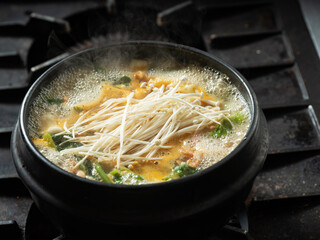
pixel 78 108
pixel 125 80
pixel 100 69
pixel 48 138
pixel 182 170
pixel 102 173
pixel 52 101
pixel 225 125
pixel 117 177
pixel 61 143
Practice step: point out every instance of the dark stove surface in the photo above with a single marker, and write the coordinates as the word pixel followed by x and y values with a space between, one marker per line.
pixel 267 41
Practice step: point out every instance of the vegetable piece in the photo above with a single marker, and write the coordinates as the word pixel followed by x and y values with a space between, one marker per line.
pixel 222 129
pixel 60 143
pixel 182 170
pixel 237 118
pixel 78 109
pixel 86 166
pixel 102 173
pixel 133 174
pixel 52 101
pixel 138 177
pixel 117 177
pixel 58 139
pixel 99 69
pixel 48 138
pixel 125 80
pixel 67 145
pixel 225 126
pixel 120 174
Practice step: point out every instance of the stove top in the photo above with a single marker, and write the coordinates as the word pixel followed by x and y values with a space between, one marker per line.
pixel 267 41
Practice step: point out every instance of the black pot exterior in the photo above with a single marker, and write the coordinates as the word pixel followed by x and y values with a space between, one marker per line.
pixel 81 208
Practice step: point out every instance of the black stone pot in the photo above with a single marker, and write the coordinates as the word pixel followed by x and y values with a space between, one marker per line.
pixel 81 208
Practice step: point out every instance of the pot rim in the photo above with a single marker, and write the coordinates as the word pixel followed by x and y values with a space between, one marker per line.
pixel 252 126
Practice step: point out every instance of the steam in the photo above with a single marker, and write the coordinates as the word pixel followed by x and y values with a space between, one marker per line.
pixel 133 23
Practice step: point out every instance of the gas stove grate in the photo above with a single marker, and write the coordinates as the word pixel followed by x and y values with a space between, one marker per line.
pixel 267 41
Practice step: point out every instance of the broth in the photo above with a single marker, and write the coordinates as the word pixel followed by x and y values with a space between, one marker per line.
pixel 138 122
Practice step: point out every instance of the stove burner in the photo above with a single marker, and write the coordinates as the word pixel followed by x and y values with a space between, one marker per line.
pixel 101 26
pixel 40 228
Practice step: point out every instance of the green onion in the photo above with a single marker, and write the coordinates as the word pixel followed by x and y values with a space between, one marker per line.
pixel 225 126
pixel 136 176
pixel 222 129
pixel 48 138
pixel 180 171
pixel 60 143
pixel 117 177
pixel 237 118
pixel 100 69
pixel 52 101
pixel 78 109
pixel 184 170
pixel 102 173
pixel 86 166
pixel 125 80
